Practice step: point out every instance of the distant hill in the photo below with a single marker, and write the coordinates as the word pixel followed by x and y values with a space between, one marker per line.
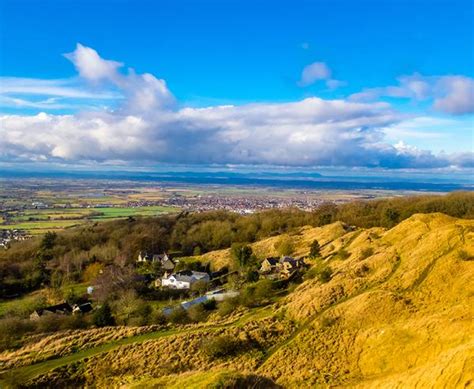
pixel 397 312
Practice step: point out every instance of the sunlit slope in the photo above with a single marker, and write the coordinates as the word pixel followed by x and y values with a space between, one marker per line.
pixel 397 313
pixel 404 319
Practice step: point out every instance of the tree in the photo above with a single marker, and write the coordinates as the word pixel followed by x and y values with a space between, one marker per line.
pixel 241 253
pixel 315 249
pixel 48 241
pixel 103 316
pixel 199 287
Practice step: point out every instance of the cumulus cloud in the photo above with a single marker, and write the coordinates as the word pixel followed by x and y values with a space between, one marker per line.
pixel 449 94
pixel 148 127
pixel 143 92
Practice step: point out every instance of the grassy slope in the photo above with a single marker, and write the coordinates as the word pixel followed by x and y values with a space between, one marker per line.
pixel 400 317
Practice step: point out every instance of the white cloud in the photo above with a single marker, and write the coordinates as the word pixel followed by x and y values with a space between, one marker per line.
pixel 143 92
pixel 449 94
pixel 314 72
pixel 67 88
pixel 457 95
pixel 149 128
pixel 91 66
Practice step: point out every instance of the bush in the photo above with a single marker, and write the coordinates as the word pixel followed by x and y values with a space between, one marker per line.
pixel 221 346
pixel 209 305
pixel 343 254
pixel 198 313
pixel 315 249
pixel 366 253
pixel 179 316
pixel 256 294
pixel 11 330
pixel 325 275
pixel 228 306
pixel 103 316
pixel 464 256
pixel 158 317
pixel 50 323
pixel 321 271
pixel 241 254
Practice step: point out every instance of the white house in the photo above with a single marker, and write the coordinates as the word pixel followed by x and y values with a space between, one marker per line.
pixel 184 279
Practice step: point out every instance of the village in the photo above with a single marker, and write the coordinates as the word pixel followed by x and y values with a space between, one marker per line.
pixel 197 287
pixel 8 236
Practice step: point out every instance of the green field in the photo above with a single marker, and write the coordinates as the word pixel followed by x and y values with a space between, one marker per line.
pixel 39 221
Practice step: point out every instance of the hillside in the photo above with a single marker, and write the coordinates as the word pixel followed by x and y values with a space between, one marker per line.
pixel 397 312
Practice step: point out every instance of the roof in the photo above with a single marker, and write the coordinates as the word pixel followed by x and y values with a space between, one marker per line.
pixel 272 261
pixel 189 275
pixel 83 308
pixel 61 308
pixel 289 260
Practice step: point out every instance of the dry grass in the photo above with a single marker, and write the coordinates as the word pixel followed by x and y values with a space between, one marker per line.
pixel 397 313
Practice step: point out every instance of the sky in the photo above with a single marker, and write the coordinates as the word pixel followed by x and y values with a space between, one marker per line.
pixel 385 85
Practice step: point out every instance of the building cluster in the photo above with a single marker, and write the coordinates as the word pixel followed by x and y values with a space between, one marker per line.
pixel 8 236
pixel 62 309
pixel 281 268
pixel 241 204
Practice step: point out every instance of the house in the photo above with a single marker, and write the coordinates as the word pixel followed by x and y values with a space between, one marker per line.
pixel 81 308
pixel 284 267
pixel 184 279
pixel 58 309
pixel 164 259
pixel 269 265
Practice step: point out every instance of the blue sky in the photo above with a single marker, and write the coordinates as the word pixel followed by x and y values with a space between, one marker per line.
pixel 406 65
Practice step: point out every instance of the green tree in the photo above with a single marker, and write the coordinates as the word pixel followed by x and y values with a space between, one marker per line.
pixel 241 253
pixel 48 241
pixel 199 287
pixel 103 316
pixel 315 249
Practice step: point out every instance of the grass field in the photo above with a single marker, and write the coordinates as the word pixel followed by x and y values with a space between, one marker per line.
pixel 39 221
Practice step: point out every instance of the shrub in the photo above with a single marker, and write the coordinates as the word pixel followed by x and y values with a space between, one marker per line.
pixel 199 287
pixel 50 323
pixel 11 330
pixel 366 253
pixel 327 321
pixel 325 275
pixel 221 346
pixel 158 317
pixel 228 306
pixel 464 256
pixel 209 305
pixel 315 249
pixel 256 294
pixel 103 316
pixel 263 289
pixel 179 316
pixel 321 271
pixel 343 254
pixel 197 313
pixel 241 253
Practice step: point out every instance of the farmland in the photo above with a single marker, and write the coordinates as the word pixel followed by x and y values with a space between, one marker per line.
pixel 38 221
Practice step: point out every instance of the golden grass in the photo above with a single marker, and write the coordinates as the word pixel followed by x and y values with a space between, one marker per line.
pixel 398 315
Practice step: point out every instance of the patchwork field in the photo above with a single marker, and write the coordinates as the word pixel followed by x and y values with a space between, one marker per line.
pixel 38 221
